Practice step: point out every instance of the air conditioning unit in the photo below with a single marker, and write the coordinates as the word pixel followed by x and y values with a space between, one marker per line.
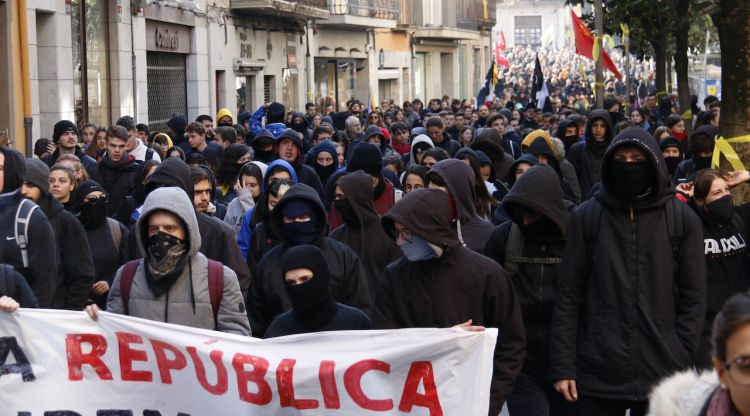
pixel 245 65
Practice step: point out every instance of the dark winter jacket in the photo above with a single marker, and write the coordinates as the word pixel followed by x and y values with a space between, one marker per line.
pixel 586 157
pixel 305 174
pixel 119 180
pixel 41 274
pixel 268 297
pixel 473 232
pixel 217 238
pixel 628 313
pixel 107 258
pixel 691 166
pixel 726 252
pixel 13 284
pixel 362 232
pixel 346 319
pixel 75 267
pixel 450 289
pixel 538 190
pixel 540 147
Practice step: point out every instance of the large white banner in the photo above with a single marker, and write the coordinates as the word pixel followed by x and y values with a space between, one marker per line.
pixel 61 363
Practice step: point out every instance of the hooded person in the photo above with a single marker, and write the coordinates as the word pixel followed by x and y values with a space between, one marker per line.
pixel 567 170
pixel 420 144
pixel 489 141
pixel 520 166
pixel 224 118
pixel 540 148
pixel 259 213
pixel 299 218
pixel 702 148
pixel 631 295
pixel 218 241
pixel 366 157
pixel 329 156
pixel 171 281
pixel 177 125
pixel 530 247
pixel 457 179
pixel 37 263
pixel 274 114
pixel 246 198
pixel 288 147
pixel 107 238
pixel 587 156
pixel 299 124
pixel 262 145
pixel 307 278
pixel 376 136
pixel 671 149
pixel 361 230
pixel 440 283
pixel 566 135
pixel 75 267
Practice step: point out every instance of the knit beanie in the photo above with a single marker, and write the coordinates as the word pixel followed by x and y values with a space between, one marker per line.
pixel 366 157
pixel 61 127
pixel 37 174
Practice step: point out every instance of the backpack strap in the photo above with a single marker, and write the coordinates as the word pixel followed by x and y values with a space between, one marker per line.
pixel 513 248
pixel 23 217
pixel 592 217
pixel 149 154
pixel 215 285
pixel 675 227
pixel 115 232
pixel 126 282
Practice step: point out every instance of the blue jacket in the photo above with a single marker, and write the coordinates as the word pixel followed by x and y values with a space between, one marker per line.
pixel 256 124
pixel 246 230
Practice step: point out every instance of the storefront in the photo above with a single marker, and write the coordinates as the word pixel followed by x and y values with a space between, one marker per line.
pixel 341 68
pixel 167 48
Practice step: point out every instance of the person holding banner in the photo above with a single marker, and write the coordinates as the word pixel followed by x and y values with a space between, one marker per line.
pixel 440 283
pixel 172 282
pixel 14 291
pixel 307 276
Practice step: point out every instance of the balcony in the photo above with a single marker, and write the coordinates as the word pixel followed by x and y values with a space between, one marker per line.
pixel 295 9
pixel 371 13
pixel 471 14
pixel 448 14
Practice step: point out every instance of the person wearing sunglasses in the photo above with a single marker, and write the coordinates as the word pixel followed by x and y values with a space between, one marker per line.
pixel 75 267
pixel 726 389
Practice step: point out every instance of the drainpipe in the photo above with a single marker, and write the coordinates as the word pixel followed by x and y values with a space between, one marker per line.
pixel 310 65
pixel 25 74
pixel 133 66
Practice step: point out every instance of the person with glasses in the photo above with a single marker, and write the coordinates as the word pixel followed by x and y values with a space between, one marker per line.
pixel 75 267
pixel 725 237
pixel 726 389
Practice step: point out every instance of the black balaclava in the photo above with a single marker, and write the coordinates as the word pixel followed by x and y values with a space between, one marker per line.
pixel 92 215
pixel 298 233
pixel 313 306
pixel 367 157
pixel 14 168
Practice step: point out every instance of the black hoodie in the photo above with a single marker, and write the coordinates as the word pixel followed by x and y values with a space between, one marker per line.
pixel 361 230
pixel 586 157
pixel 630 309
pixel 538 190
pixel 688 167
pixel 305 174
pixel 314 308
pixel 450 289
pixel 268 297
pixel 471 230
pixel 490 142
pixel 75 265
pixel 41 274
pixel 217 238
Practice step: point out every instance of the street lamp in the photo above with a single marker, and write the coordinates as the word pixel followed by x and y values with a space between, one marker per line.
pixel 338 6
pixel 381 58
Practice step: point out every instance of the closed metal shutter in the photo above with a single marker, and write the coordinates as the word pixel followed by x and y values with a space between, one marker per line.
pixel 267 88
pixel 167 88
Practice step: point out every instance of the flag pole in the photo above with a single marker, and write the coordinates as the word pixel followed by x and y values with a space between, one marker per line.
pixel 599 82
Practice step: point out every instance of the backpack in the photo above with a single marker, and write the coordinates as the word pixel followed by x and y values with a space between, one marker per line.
pixel 215 284
pixel 21 230
pixel 514 249
pixel 592 217
pixel 115 232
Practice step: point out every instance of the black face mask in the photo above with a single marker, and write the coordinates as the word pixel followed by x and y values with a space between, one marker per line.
pixel 299 127
pixel 632 180
pixel 93 214
pixel 347 212
pixel 166 257
pixel 702 162
pixel 225 124
pixel 540 230
pixel 672 163
pixel 299 232
pixel 324 172
pixel 265 156
pixel 312 302
pixel 570 140
pixel 720 210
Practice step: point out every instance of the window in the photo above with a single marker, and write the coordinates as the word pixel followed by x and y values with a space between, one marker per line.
pixel 527 30
pixel 90 32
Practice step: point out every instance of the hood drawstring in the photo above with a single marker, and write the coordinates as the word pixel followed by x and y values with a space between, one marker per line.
pixel 460 234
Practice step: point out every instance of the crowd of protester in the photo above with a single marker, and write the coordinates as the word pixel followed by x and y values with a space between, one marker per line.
pixel 599 242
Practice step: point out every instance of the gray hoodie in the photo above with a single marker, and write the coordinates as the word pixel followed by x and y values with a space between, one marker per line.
pixel 188 298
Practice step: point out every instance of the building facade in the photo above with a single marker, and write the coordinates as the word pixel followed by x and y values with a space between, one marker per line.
pixel 533 23
pixel 93 61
